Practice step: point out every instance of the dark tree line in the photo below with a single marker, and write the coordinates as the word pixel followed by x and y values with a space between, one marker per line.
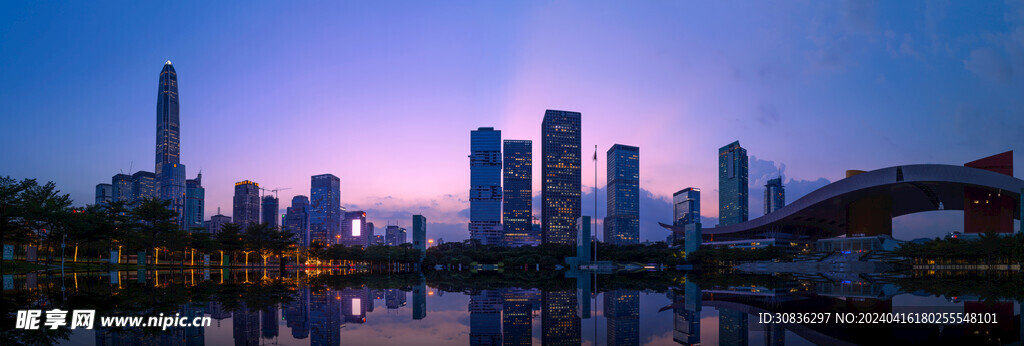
pixel 40 215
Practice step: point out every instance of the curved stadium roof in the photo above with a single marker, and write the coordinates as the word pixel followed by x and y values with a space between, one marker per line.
pixel 913 189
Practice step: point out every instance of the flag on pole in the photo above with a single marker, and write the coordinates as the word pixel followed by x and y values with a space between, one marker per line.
pixel 595 153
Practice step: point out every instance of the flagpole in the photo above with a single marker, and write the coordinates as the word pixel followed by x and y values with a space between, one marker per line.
pixel 594 235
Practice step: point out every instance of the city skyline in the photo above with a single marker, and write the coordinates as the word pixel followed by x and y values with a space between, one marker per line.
pixel 883 72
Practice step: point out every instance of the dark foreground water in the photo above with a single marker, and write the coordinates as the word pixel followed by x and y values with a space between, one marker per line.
pixel 518 308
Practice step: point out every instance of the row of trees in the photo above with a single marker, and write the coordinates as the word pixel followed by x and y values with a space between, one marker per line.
pixel 471 251
pixel 373 255
pixel 549 254
pixel 989 248
pixel 39 215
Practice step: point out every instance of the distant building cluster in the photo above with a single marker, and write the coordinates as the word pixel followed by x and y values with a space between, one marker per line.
pixel 317 217
pixel 501 187
pixel 186 196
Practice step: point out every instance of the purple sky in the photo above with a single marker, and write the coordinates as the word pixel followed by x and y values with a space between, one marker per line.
pixel 384 95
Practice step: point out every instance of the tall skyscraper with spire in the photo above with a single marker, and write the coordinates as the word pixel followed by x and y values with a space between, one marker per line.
pixel 170 173
pixel 168 128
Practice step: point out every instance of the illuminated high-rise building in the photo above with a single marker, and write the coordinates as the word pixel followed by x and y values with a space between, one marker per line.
pixel 104 193
pixel 168 126
pixel 172 188
pixel 560 173
pixel 485 186
pixel 122 187
pixel 195 203
pixel 215 222
pixel 685 209
pixel 732 184
pixel 686 206
pixel 622 223
pixel 270 207
pixel 394 235
pixel 247 203
pixel 419 232
pixel 353 229
pixel 296 219
pixel 517 191
pixel 143 185
pixel 170 173
pixel 774 195
pixel 324 208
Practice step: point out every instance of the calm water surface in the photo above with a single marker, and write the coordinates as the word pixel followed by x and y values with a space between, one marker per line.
pixel 524 308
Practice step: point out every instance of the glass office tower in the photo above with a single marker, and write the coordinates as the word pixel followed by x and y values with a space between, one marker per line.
pixel 561 176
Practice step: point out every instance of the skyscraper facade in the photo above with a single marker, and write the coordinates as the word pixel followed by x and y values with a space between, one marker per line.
pixel 325 208
pixel 247 203
pixel 732 184
pixel 270 208
pixel 686 213
pixel 215 222
pixel 560 187
pixel 168 127
pixel 394 235
pixel 104 193
pixel 485 186
pixel 296 219
pixel 353 229
pixel 622 224
pixel 774 195
pixel 143 185
pixel 170 173
pixel 122 187
pixel 517 183
pixel 419 232
pixel 172 188
pixel 686 206
pixel 195 202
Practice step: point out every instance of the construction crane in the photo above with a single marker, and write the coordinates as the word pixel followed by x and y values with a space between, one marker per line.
pixel 275 190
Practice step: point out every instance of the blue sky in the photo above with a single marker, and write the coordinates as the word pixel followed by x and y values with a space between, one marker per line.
pixel 384 94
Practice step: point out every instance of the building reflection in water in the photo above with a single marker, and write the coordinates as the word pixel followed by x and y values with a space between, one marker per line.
pixel 686 319
pixel 419 300
pixel 324 318
pixel 245 326
pixel 485 318
pixel 269 320
pixel 505 316
pixel 560 324
pixel 517 315
pixel 622 313
pixel 296 313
